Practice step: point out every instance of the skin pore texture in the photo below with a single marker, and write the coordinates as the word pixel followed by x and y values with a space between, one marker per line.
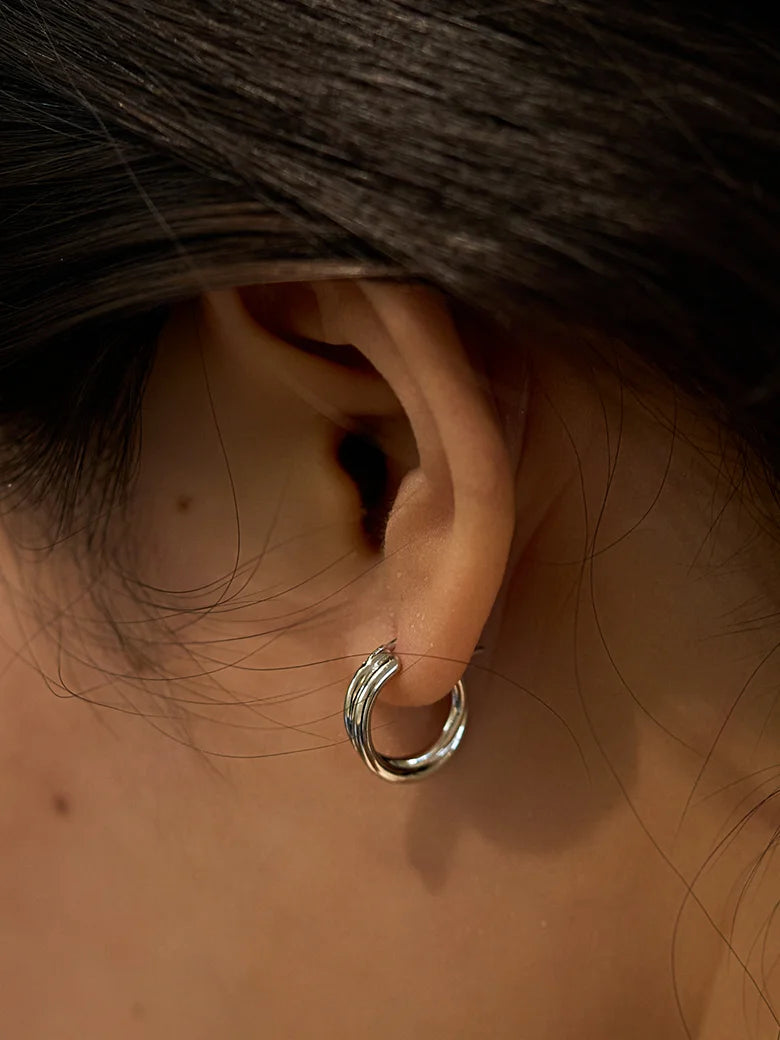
pixel 193 849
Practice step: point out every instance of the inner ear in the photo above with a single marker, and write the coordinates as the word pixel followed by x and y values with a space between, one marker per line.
pixel 376 455
pixel 344 354
pixel 291 310
pixel 361 457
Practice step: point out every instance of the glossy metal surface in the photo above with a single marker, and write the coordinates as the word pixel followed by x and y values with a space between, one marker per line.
pixel 358 704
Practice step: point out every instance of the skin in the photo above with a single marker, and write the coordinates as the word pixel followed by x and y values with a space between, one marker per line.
pixel 191 848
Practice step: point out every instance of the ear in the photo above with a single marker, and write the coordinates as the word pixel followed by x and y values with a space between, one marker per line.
pixel 450 527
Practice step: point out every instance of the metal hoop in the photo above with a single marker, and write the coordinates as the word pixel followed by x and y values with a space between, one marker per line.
pixel 358 705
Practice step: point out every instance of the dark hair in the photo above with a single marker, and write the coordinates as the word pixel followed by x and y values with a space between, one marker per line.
pixel 614 163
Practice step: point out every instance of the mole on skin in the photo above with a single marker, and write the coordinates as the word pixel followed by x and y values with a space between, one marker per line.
pixel 183 503
pixel 61 804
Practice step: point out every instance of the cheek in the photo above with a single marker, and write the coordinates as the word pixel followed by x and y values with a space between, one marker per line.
pixel 230 473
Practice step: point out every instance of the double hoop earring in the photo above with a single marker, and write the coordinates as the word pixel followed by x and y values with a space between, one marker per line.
pixel 361 696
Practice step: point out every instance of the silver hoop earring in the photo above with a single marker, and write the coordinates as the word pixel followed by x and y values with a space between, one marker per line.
pixel 358 705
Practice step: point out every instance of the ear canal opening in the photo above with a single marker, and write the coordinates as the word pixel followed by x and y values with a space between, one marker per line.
pixel 376 453
pixel 361 457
